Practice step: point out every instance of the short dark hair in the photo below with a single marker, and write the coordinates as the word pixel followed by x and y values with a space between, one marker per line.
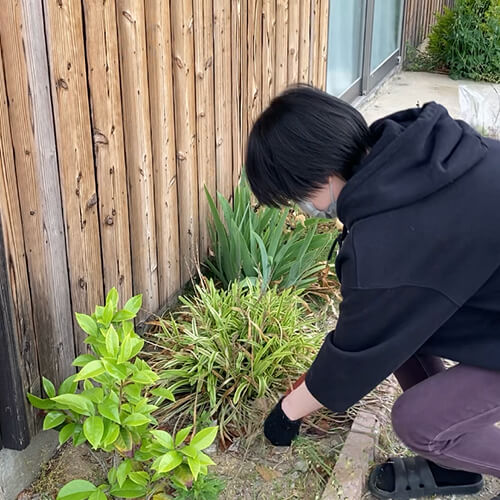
pixel 299 141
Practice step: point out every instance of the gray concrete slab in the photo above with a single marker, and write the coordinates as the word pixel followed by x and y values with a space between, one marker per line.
pixel 19 468
pixel 407 89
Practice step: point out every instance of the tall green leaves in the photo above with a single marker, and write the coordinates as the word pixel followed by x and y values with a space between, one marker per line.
pixel 249 243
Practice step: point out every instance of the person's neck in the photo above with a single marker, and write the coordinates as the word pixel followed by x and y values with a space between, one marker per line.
pixel 337 186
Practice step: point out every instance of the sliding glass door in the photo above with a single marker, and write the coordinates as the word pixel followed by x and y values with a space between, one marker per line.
pixel 363 44
pixel 345 47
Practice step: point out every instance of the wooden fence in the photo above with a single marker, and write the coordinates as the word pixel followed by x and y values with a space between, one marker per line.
pixel 114 115
pixel 420 16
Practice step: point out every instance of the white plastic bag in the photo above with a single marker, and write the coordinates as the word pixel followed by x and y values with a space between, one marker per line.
pixel 480 108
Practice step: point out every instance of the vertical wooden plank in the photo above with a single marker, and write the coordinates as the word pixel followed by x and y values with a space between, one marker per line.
pixel 185 131
pixel 245 65
pixel 223 109
pixel 236 88
pixel 281 63
pixel 161 96
pixel 323 44
pixel 205 112
pixel 13 417
pixel 268 50
pixel 101 38
pixel 32 128
pixel 74 145
pixel 137 127
pixel 315 41
pixel 294 9
pixel 19 343
pixel 254 60
pixel 305 41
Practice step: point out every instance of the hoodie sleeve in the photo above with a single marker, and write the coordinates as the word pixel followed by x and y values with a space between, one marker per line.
pixel 377 331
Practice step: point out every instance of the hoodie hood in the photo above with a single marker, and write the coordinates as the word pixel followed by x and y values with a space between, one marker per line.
pixel 415 153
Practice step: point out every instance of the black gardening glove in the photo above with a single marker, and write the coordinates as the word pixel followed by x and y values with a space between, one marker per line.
pixel 279 429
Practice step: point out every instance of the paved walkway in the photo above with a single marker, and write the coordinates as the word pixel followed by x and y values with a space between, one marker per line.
pixel 407 89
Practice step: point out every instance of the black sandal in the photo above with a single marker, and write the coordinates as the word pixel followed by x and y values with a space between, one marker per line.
pixel 413 478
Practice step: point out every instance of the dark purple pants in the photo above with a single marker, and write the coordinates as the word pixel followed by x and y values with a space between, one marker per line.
pixel 449 416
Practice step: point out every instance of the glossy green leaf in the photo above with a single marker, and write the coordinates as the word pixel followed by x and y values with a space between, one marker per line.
pixel 133 392
pixel 122 472
pixel 204 459
pixel 112 297
pixel 131 346
pixel 136 419
pixel 43 404
pixel 107 314
pixel 118 372
pixel 124 443
pixel 93 429
pixel 48 387
pixel 98 495
pixel 92 369
pixel 164 438
pixel 109 408
pixel 76 490
pixel 139 477
pixel 133 304
pixel 111 434
pixel 182 435
pixel 145 377
pixel 189 451
pixel 66 432
pixel 96 394
pixel 167 462
pixel 163 392
pixel 112 342
pixel 83 359
pixel 204 438
pixel 87 324
pixel 75 402
pixel 129 490
pixel 68 386
pixel 123 315
pixel 53 419
pixel 194 465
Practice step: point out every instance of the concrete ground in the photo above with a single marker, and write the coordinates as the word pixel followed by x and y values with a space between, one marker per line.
pixel 409 89
pixel 406 90
pixel 19 468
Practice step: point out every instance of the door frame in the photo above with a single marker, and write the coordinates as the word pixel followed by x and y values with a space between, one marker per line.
pixel 368 79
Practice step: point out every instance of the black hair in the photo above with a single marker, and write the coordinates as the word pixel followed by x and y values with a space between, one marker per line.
pixel 302 138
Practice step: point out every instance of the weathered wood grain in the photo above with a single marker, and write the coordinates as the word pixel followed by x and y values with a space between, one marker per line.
pixel 135 96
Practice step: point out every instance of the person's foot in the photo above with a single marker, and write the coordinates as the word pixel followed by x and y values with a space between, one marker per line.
pixel 415 477
pixel 442 476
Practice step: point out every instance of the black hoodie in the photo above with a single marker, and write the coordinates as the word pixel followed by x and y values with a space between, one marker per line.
pixel 420 262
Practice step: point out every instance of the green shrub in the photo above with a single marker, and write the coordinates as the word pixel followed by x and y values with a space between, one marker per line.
pixel 466 40
pixel 113 413
pixel 255 243
pixel 225 348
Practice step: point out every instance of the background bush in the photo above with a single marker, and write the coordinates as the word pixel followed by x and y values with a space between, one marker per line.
pixel 225 348
pixel 466 40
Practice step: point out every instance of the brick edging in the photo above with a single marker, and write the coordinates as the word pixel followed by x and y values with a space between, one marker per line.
pixel 350 472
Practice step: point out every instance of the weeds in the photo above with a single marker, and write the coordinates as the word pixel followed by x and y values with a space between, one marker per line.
pixel 225 348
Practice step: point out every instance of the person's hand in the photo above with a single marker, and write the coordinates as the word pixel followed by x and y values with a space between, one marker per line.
pixel 279 429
